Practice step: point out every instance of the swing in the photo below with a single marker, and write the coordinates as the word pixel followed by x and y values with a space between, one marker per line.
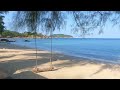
pixel 49 68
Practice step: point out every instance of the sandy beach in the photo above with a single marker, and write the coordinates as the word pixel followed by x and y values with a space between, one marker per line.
pixel 17 62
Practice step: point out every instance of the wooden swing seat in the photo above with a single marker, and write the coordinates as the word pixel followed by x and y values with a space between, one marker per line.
pixel 37 70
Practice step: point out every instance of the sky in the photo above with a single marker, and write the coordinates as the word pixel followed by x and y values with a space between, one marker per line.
pixel 109 30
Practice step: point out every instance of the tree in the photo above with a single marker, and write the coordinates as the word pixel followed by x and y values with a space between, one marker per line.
pixel 8 33
pixel 85 21
pixel 2 27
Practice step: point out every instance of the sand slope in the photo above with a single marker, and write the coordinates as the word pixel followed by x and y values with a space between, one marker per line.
pixel 18 63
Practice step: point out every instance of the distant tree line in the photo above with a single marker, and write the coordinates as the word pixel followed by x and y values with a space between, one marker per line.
pixel 8 33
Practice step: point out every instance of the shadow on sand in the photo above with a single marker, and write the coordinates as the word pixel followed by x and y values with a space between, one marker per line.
pixel 12 66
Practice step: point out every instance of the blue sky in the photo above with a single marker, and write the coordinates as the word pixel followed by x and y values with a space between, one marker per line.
pixel 109 30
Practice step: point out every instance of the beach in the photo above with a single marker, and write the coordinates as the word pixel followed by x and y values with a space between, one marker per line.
pixel 18 61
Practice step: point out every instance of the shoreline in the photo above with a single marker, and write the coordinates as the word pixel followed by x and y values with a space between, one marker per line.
pixel 104 60
pixel 70 57
pixel 18 62
pixel 73 57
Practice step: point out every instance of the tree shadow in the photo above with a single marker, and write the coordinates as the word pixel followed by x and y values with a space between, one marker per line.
pixel 74 63
pixel 11 66
pixel 3 51
pixel 107 66
pixel 55 56
pixel 27 75
pixel 1 57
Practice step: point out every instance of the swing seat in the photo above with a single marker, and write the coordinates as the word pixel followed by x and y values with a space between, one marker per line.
pixel 37 70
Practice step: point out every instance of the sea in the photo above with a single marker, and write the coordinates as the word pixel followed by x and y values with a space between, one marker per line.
pixel 101 49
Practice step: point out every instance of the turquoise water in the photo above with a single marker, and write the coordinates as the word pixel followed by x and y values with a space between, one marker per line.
pixel 99 49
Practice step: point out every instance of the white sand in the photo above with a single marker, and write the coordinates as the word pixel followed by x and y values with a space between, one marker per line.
pixel 19 62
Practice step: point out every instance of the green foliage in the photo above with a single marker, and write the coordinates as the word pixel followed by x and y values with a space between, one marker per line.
pixel 8 33
pixel 2 27
pixel 48 21
pixel 29 34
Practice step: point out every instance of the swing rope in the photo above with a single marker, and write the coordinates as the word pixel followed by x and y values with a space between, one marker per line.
pixel 36 50
pixel 36 64
pixel 51 47
pixel 51 66
pixel 36 69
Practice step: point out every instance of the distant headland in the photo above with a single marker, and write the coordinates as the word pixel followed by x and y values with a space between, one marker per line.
pixel 61 36
pixel 14 34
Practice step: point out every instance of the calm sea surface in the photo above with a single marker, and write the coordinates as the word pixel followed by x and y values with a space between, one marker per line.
pixel 99 49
